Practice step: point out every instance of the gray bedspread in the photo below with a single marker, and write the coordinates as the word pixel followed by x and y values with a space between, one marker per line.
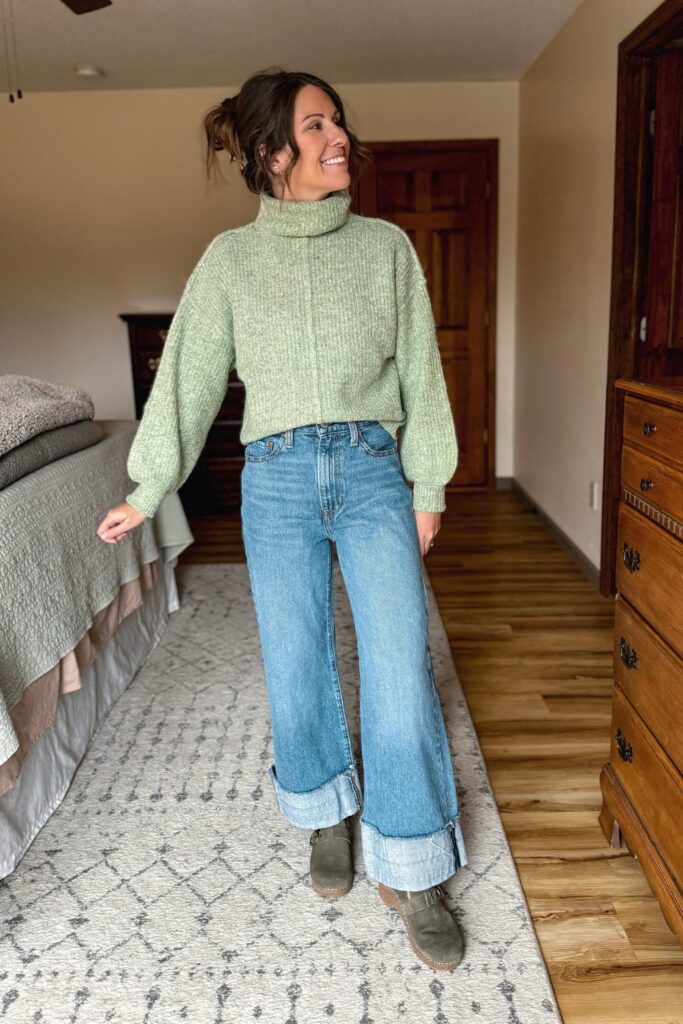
pixel 55 572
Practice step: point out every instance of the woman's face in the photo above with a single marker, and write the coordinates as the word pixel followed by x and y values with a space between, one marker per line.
pixel 319 138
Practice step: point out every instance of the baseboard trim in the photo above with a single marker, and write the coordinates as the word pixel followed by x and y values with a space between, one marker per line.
pixel 589 570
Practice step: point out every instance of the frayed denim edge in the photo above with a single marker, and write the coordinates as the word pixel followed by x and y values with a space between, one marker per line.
pixel 413 862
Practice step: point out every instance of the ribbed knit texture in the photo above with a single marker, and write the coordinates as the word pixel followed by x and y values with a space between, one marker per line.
pixel 326 317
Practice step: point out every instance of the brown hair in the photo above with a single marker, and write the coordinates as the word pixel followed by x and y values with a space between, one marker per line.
pixel 261 115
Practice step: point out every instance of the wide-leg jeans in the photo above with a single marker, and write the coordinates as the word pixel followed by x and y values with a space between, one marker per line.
pixel 302 490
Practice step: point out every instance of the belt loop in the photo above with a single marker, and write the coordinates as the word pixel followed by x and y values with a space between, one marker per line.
pixel 289 437
pixel 354 432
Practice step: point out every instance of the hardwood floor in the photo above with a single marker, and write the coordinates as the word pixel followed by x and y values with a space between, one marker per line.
pixel 532 641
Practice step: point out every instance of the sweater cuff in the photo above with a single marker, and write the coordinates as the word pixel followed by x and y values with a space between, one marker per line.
pixel 145 499
pixel 427 498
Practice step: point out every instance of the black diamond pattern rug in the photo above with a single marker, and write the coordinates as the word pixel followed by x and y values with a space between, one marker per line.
pixel 168 887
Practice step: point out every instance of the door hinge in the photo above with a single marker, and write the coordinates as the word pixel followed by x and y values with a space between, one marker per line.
pixel 643 328
pixel 487 319
pixel 652 121
pixel 486 436
pixel 488 189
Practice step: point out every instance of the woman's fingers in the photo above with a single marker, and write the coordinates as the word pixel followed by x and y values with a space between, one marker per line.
pixel 428 525
pixel 107 528
pixel 115 534
pixel 110 537
pixel 117 522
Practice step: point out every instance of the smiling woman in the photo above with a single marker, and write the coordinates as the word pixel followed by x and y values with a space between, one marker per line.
pixel 326 316
pixel 289 133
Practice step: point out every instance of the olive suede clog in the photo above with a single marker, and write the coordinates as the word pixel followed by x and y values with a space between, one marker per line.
pixel 331 859
pixel 433 931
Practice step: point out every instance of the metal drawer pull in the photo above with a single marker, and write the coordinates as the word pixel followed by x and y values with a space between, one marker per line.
pixel 628 654
pixel 631 558
pixel 646 485
pixel 153 362
pixel 649 428
pixel 623 746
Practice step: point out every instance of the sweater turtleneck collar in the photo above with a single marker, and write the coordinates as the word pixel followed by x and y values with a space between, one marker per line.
pixel 303 217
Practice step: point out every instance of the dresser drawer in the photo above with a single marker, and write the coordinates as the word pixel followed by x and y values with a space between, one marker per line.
pixel 649 573
pixel 656 428
pixel 650 780
pixel 651 676
pixel 653 481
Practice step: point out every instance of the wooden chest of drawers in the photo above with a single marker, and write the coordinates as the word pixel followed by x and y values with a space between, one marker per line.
pixel 642 784
pixel 213 486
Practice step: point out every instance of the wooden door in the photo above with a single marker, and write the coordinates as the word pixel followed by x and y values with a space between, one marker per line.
pixel 443 194
pixel 661 331
pixel 646 301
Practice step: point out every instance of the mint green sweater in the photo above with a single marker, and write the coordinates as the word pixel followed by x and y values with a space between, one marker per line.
pixel 326 317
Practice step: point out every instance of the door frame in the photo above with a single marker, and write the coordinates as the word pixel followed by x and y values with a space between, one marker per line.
pixel 363 199
pixel 635 96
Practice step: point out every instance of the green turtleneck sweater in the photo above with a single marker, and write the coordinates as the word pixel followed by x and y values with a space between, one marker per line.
pixel 325 316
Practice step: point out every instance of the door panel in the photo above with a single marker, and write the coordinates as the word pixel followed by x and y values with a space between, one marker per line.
pixel 443 196
pixel 662 333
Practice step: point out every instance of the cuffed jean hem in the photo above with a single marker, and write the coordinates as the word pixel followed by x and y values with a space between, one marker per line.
pixel 321 807
pixel 413 862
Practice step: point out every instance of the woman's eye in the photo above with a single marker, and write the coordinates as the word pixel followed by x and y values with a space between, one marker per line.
pixel 316 124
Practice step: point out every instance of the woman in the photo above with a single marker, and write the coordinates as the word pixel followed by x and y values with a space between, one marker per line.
pixel 326 316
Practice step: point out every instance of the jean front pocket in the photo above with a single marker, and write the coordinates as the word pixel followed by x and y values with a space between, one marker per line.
pixel 374 439
pixel 264 448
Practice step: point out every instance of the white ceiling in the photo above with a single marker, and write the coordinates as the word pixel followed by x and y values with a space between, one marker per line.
pixel 157 44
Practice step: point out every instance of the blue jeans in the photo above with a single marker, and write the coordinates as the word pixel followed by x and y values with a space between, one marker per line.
pixel 302 489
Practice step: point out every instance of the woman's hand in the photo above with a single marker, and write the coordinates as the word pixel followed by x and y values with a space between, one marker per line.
pixel 118 521
pixel 428 525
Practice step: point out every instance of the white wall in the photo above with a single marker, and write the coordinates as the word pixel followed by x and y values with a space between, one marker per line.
pixel 104 209
pixel 566 175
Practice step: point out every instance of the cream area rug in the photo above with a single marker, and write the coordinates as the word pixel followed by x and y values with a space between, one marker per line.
pixel 168 887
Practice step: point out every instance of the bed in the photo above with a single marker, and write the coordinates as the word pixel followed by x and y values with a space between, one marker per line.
pixel 78 618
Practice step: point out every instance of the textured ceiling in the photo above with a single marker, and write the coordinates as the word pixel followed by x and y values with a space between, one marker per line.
pixel 157 44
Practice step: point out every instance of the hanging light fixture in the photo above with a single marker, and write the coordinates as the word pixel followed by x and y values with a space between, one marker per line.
pixel 6 43
pixel 10 40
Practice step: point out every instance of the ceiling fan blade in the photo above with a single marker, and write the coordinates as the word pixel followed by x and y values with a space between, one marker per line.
pixel 86 6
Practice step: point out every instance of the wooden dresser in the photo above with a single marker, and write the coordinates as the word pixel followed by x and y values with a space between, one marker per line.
pixel 642 784
pixel 213 486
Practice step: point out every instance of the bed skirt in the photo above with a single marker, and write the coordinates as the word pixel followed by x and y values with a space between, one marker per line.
pixel 53 758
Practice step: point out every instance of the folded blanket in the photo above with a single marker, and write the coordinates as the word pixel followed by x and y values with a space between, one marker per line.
pixel 47 447
pixel 29 406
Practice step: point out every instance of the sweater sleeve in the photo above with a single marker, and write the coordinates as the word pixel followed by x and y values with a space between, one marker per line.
pixel 428 446
pixel 188 389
